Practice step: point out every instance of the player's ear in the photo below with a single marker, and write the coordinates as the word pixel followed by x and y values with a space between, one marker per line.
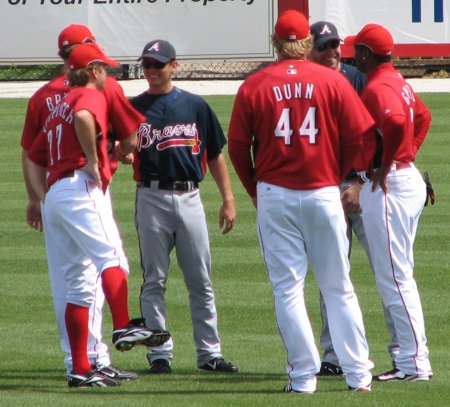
pixel 174 65
pixel 365 52
pixel 95 69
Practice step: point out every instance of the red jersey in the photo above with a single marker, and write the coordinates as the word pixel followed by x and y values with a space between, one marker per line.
pixel 303 123
pixel 57 146
pixel 386 96
pixel 123 118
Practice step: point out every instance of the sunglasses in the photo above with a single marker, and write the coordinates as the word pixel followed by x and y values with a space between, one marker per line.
pixel 329 44
pixel 156 65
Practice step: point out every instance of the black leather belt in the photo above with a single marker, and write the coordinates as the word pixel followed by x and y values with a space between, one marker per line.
pixel 351 177
pixel 171 185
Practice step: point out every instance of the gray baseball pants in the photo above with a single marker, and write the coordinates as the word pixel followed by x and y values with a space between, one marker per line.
pixel 167 220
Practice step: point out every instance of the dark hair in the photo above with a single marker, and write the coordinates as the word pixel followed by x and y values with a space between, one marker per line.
pixel 378 58
pixel 65 52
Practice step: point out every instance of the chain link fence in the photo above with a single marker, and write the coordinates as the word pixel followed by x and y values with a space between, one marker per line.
pixel 231 70
pixel 206 70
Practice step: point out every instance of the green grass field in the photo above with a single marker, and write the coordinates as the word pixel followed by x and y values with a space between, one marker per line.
pixel 31 370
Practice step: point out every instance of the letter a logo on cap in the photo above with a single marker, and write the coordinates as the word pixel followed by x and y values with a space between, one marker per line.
pixel 325 30
pixel 154 47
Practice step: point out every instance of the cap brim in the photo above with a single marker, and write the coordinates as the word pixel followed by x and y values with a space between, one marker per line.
pixel 160 58
pixel 323 40
pixel 108 61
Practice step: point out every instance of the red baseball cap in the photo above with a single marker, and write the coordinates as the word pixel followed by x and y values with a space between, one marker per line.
pixel 86 54
pixel 74 34
pixel 292 26
pixel 375 37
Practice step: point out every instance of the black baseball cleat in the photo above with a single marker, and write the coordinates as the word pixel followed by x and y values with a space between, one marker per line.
pixel 93 378
pixel 114 372
pixel 136 334
pixel 160 366
pixel 329 369
pixel 219 365
pixel 396 375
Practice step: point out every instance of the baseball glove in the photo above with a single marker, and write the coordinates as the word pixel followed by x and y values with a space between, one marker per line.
pixel 430 192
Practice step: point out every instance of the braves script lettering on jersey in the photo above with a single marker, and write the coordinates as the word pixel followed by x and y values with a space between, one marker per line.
pixel 187 132
pixel 294 133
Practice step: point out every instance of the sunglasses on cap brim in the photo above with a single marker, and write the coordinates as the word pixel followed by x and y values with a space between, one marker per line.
pixel 155 64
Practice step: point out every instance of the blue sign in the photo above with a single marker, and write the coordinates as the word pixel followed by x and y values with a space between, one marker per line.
pixel 417 11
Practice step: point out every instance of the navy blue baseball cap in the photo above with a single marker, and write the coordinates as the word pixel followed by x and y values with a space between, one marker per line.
pixel 162 51
pixel 324 31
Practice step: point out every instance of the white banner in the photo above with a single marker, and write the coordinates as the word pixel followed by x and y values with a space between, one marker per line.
pixel 409 21
pixel 209 29
pixel 198 29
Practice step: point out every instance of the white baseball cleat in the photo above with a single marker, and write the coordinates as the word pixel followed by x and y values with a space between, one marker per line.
pixel 398 376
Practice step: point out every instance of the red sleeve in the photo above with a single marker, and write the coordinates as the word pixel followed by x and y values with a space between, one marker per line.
pixel 38 150
pixel 31 125
pixel 93 101
pixel 240 141
pixel 422 122
pixel 123 117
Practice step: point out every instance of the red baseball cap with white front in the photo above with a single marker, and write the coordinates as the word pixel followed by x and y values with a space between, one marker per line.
pixel 375 37
pixel 292 26
pixel 86 54
pixel 75 34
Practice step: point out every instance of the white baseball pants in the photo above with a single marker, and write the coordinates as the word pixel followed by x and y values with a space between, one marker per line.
pixel 300 226
pixel 65 258
pixel 390 221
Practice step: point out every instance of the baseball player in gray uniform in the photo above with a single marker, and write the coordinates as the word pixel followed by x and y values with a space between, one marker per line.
pixel 326 51
pixel 180 138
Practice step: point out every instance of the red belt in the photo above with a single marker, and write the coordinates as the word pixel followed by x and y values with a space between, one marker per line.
pixel 68 174
pixel 402 165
